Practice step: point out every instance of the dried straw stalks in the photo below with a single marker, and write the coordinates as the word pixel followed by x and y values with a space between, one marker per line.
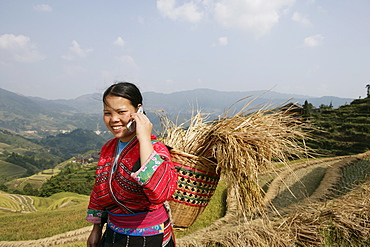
pixel 243 145
pixel 344 221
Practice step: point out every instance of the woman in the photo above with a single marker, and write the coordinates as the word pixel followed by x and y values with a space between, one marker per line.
pixel 134 178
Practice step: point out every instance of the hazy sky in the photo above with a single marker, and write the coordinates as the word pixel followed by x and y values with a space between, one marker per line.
pixel 67 48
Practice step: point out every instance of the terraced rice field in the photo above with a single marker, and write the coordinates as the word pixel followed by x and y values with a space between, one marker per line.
pixel 300 200
pixel 22 204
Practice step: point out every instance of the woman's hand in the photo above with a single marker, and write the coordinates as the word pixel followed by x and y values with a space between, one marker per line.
pixel 143 126
pixel 143 133
pixel 95 236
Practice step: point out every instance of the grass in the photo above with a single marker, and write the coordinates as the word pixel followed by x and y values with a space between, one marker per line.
pixel 57 200
pixel 352 175
pixel 10 170
pixel 334 237
pixel 49 172
pixel 76 244
pixel 265 180
pixel 300 187
pixel 7 202
pixel 42 203
pixel 36 180
pixel 63 198
pixel 51 220
pixel 16 227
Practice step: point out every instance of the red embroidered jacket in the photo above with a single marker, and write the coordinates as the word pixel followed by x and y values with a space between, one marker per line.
pixel 129 188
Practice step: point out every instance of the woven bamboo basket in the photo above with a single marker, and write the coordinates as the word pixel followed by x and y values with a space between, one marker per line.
pixel 197 181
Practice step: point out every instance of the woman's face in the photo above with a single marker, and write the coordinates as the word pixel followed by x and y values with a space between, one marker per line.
pixel 117 113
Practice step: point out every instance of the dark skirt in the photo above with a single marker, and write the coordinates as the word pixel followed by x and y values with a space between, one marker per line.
pixel 114 239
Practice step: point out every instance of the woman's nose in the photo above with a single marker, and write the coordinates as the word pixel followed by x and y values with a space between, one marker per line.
pixel 115 118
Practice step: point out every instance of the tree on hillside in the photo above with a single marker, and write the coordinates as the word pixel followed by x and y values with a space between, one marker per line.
pixel 368 90
pixel 3 187
pixel 29 190
pixel 324 107
pixel 307 107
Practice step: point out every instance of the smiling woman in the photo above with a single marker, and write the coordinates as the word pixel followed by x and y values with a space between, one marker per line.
pixel 117 114
pixel 134 178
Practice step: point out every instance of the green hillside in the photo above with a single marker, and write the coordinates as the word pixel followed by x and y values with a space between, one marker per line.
pixel 21 157
pixel 76 178
pixel 342 131
pixel 24 161
pixel 30 185
pixel 11 142
pixel 40 118
pixel 71 144
pixel 10 171
pixel 58 213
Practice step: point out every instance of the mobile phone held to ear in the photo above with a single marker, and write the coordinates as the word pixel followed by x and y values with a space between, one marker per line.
pixel 131 126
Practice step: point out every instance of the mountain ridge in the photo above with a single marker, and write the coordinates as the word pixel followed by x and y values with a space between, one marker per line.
pixel 21 113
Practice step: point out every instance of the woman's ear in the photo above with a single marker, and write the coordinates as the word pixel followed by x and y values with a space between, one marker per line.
pixel 140 109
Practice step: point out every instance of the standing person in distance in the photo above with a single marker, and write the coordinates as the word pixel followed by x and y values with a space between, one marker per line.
pixel 134 178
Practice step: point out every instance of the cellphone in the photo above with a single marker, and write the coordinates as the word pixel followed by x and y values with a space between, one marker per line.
pixel 131 126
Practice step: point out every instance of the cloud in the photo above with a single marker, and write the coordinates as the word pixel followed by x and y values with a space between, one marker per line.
pixel 71 71
pixel 125 69
pixel 255 16
pixel 187 12
pixel 43 8
pixel 75 51
pixel 19 48
pixel 301 19
pixel 169 82
pixel 222 41
pixel 323 89
pixel 128 61
pixel 119 41
pixel 313 41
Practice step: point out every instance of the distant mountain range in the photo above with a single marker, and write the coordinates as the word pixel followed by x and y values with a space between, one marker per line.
pixel 27 114
pixel 210 101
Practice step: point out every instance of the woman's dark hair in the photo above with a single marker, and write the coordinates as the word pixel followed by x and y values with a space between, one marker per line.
pixel 125 90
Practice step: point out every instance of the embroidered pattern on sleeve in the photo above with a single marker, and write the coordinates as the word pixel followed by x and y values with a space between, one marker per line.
pixel 95 216
pixel 143 175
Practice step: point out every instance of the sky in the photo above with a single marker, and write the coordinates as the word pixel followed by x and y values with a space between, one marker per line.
pixel 64 49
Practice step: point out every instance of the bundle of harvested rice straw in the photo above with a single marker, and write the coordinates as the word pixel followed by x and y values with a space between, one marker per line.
pixel 236 148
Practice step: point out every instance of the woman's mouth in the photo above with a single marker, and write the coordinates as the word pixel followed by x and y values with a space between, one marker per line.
pixel 117 128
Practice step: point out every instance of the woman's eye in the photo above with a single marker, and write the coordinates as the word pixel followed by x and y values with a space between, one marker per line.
pixel 106 113
pixel 121 112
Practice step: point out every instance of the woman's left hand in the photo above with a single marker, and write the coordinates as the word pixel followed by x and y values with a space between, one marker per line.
pixel 143 126
pixel 143 133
